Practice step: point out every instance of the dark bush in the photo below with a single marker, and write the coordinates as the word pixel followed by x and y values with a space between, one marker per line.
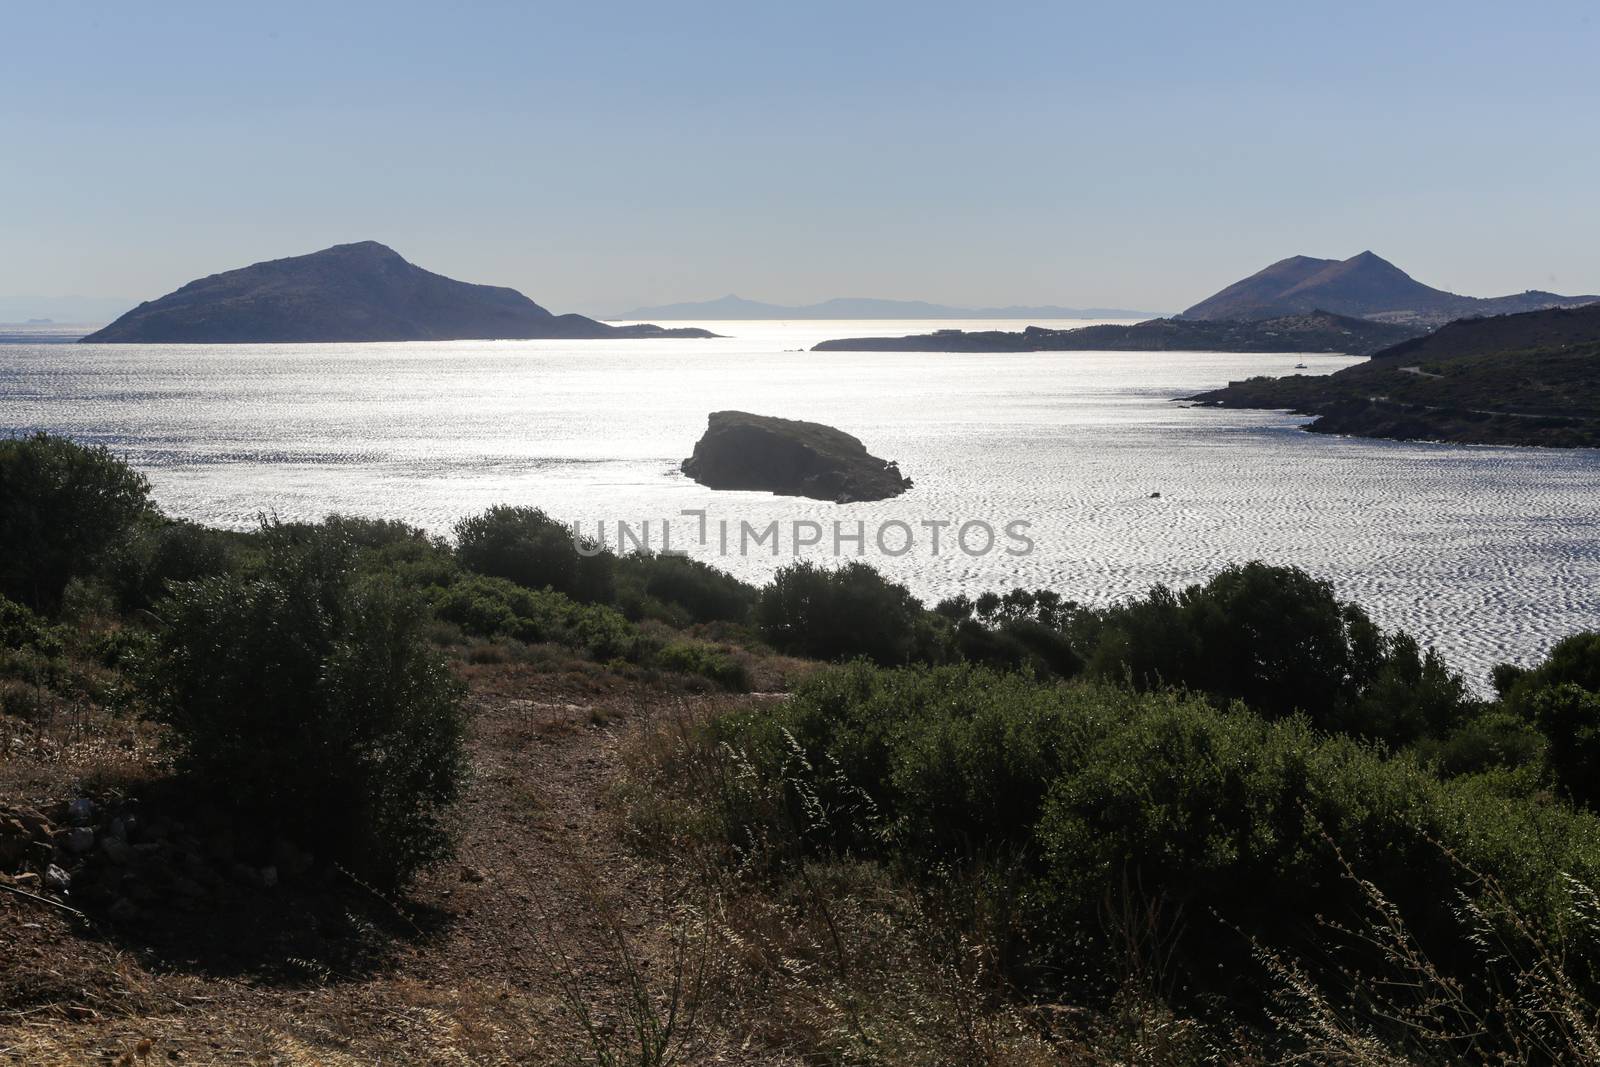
pixel 1211 813
pixel 369 534
pixel 1023 629
pixel 813 611
pixel 62 505
pixel 1569 716
pixel 308 700
pixel 1279 640
pixel 530 548
pixel 680 590
pixel 1494 738
pixel 161 553
pixel 1560 697
pixel 1273 637
pixel 1573 661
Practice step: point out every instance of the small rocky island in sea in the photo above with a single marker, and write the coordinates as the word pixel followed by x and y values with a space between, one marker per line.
pixel 1528 379
pixel 791 458
pixel 355 292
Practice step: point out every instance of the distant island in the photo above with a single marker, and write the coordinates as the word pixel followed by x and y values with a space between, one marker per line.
pixel 735 307
pixel 1315 331
pixel 791 458
pixel 352 292
pixel 1365 286
pixel 1525 379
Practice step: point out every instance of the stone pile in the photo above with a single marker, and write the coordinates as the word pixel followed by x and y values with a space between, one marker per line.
pixel 111 859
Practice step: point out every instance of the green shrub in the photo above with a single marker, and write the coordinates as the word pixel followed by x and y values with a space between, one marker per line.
pixel 31 650
pixel 1208 812
pixel 1574 660
pixel 309 701
pixel 1495 738
pixel 163 552
pixel 62 505
pixel 21 628
pixel 526 546
pixel 1569 716
pixel 497 607
pixel 694 657
pixel 850 611
pixel 1279 640
pixel 370 534
pixel 1560 697
pixel 680 590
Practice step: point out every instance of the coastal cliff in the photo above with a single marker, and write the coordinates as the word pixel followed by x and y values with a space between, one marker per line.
pixel 1528 379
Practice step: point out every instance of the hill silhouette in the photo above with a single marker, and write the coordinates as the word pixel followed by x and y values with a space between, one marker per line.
pixel 1315 331
pixel 1526 379
pixel 1366 286
pixel 352 292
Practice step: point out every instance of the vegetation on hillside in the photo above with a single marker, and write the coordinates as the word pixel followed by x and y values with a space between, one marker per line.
pixel 1236 821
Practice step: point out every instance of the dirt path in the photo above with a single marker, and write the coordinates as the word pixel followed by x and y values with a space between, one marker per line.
pixel 541 877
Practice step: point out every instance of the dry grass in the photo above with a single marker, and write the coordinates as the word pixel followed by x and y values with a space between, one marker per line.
pixel 607 920
pixel 838 961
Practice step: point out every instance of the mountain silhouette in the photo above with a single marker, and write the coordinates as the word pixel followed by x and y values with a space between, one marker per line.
pixel 352 292
pixel 1366 286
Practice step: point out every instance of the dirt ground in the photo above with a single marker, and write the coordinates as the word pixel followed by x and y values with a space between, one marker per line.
pixel 542 941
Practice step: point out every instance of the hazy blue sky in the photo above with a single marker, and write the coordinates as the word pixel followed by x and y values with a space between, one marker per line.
pixel 599 155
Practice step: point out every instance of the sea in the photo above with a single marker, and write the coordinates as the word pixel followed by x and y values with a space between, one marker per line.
pixel 1089 474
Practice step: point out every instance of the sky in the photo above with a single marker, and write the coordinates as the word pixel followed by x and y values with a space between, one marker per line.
pixel 598 156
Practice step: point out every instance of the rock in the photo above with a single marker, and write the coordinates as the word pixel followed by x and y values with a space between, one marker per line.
pixel 37 825
pixel 56 880
pixel 14 842
pixel 116 850
pixel 155 830
pixel 791 458
pixel 471 874
pixel 221 846
pixel 269 876
pixel 80 810
pixel 188 887
pixel 198 869
pixel 123 910
pixel 79 839
pixel 41 853
pixel 25 880
pixel 289 859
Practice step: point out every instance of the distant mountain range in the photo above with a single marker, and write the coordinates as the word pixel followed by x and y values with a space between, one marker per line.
pixel 847 307
pixel 352 292
pixel 1366 286
pixel 1526 379
pixel 60 309
pixel 1317 331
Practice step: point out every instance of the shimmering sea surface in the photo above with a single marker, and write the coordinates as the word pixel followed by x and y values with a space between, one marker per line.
pixel 1487 553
